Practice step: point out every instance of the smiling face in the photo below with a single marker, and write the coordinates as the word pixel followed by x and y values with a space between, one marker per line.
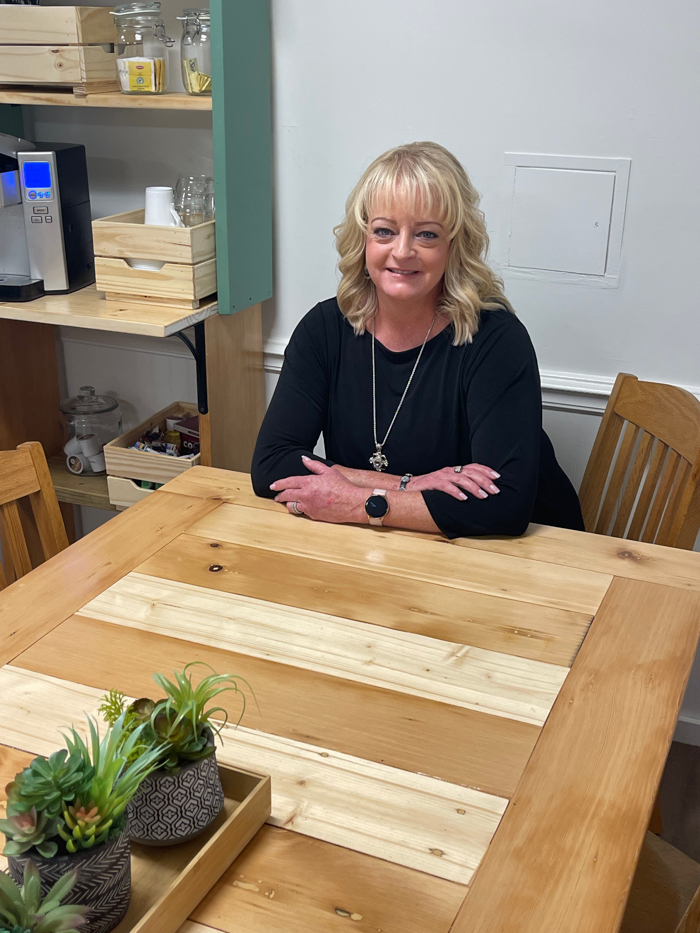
pixel 406 253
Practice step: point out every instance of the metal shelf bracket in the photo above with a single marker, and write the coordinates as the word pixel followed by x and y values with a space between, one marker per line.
pixel 199 352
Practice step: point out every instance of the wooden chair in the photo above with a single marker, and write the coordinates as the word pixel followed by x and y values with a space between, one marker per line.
pixel 24 472
pixel 642 481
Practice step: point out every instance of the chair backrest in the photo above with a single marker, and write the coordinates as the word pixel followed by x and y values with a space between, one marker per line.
pixel 24 472
pixel 642 481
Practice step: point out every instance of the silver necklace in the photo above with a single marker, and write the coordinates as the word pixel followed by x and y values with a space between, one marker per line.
pixel 378 459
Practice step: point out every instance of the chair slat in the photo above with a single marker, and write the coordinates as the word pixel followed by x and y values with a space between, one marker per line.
pixel 13 539
pixel 598 468
pixel 661 498
pixel 633 484
pixel 47 514
pixel 675 496
pixel 3 578
pixel 617 479
pixel 17 475
pixel 658 458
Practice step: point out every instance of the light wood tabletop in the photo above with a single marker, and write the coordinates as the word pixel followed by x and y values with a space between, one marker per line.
pixel 463 736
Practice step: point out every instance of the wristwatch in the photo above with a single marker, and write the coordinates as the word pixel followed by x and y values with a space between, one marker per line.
pixel 377 506
pixel 403 482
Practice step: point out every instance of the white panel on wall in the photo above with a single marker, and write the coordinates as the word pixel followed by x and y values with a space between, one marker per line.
pixel 560 219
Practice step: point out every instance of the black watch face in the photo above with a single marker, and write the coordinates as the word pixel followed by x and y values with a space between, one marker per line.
pixel 376 506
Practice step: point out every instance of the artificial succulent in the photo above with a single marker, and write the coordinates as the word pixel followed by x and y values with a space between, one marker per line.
pixel 22 909
pixel 31 829
pixel 48 783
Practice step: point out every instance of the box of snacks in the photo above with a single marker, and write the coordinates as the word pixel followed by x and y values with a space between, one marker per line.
pixel 156 450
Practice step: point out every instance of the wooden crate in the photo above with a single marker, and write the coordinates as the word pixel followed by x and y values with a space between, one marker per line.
pixel 176 283
pixel 84 67
pixel 141 464
pixel 189 273
pixel 168 882
pixel 56 25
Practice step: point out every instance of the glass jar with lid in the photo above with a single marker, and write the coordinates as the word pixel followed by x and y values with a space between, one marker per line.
pixel 195 51
pixel 142 44
pixel 92 420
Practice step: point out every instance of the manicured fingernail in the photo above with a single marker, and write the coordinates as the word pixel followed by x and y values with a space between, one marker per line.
pixel 495 475
pixel 483 494
pixel 303 457
pixel 494 489
pixel 273 486
pixel 462 495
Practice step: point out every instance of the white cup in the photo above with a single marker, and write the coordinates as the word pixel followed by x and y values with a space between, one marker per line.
pixel 160 210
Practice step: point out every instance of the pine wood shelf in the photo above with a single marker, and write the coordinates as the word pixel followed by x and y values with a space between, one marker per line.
pixel 79 490
pixel 89 309
pixel 115 99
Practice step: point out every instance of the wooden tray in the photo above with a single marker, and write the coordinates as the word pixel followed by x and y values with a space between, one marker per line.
pixel 176 283
pixel 56 25
pixel 141 464
pixel 167 883
pixel 125 236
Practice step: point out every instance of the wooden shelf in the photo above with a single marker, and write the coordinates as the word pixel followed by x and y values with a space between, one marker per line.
pixel 64 97
pixel 79 490
pixel 88 308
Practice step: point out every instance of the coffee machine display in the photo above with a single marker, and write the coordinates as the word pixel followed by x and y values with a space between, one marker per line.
pixel 45 223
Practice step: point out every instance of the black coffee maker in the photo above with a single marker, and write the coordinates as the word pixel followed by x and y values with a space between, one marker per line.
pixel 45 222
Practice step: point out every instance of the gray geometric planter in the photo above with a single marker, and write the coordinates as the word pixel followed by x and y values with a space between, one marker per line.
pixel 104 879
pixel 173 808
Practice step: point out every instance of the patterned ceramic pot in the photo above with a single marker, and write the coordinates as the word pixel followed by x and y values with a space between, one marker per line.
pixel 104 879
pixel 172 808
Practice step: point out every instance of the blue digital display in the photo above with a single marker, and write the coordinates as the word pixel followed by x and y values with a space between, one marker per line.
pixel 37 175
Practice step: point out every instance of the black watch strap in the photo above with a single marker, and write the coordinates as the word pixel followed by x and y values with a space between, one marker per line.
pixel 404 481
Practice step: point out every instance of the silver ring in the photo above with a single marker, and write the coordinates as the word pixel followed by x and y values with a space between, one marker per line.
pixel 295 508
pixel 458 469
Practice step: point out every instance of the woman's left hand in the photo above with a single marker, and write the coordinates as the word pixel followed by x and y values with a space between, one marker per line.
pixel 325 495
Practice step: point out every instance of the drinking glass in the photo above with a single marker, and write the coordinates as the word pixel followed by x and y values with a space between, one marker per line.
pixel 194 199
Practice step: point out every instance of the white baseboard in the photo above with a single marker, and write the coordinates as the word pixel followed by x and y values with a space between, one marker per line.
pixel 687 731
pixel 581 393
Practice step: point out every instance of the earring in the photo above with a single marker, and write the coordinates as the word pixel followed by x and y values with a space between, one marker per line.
pixel 366 272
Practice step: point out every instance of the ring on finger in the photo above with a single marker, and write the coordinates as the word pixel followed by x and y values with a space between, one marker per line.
pixel 458 469
pixel 295 508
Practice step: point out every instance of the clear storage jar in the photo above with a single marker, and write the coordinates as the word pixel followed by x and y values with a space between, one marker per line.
pixel 92 420
pixel 195 51
pixel 142 44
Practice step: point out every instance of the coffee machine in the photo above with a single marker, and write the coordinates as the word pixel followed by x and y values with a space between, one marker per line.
pixel 45 222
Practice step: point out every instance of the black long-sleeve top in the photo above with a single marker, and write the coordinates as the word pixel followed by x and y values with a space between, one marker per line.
pixel 476 403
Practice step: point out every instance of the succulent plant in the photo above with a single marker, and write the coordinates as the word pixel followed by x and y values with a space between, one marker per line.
pixel 120 761
pixel 22 909
pixel 24 830
pixel 48 783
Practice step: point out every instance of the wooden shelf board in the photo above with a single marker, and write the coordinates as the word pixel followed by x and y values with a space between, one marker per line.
pixel 79 490
pixel 64 97
pixel 88 308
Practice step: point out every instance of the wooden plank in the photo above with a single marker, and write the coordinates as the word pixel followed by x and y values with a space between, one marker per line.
pixel 409 819
pixel 56 589
pixel 175 280
pixel 288 883
pixel 461 746
pixel 407 557
pixel 665 881
pixel 17 475
pixel 86 489
pixel 60 97
pixel 235 385
pixel 448 672
pixel 564 855
pixel 619 472
pixel 13 543
pixel 49 64
pixel 490 622
pixel 71 25
pixel 86 308
pixel 634 560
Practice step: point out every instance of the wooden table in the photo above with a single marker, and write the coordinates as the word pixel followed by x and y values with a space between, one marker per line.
pixel 426 708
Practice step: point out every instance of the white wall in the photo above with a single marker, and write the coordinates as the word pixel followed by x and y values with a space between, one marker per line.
pixel 351 80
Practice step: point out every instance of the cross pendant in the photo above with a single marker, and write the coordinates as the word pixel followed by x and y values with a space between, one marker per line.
pixel 378 460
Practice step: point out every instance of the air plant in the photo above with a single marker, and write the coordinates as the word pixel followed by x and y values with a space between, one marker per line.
pixel 22 909
pixel 120 761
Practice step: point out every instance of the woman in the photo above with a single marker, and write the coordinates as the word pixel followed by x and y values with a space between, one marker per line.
pixel 419 375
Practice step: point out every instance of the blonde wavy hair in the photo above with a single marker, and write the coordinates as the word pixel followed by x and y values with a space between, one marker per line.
pixel 421 176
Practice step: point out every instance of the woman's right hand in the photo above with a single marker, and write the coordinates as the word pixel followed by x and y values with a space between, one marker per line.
pixel 474 478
